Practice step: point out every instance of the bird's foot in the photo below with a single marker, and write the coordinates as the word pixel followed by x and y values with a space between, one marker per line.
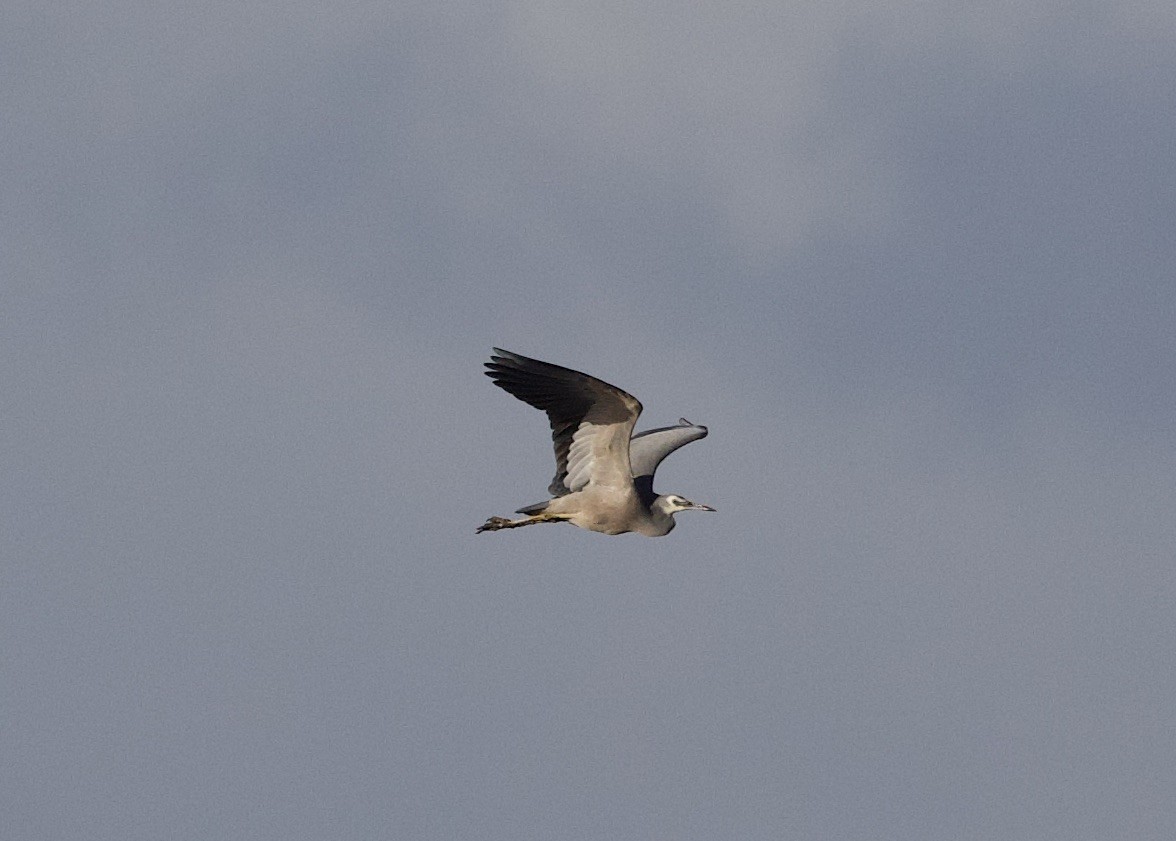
pixel 496 523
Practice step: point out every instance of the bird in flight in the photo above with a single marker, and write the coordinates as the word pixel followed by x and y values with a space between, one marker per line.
pixel 603 472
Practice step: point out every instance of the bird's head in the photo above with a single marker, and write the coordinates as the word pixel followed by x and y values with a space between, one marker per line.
pixel 672 504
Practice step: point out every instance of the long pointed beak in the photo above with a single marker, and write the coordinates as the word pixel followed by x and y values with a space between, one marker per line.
pixel 698 506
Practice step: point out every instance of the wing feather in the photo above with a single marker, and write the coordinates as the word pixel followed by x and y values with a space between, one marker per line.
pixel 591 421
pixel 649 448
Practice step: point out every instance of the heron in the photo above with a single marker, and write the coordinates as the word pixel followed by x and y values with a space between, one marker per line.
pixel 603 472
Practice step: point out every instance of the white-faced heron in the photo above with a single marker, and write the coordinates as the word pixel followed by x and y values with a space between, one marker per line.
pixel 603 472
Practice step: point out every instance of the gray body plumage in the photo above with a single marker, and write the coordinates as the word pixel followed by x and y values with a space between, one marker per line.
pixel 604 473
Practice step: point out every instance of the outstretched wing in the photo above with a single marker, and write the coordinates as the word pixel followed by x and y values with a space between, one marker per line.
pixel 591 421
pixel 648 448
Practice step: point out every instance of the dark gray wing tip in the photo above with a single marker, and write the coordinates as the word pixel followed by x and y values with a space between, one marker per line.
pixel 684 422
pixel 500 360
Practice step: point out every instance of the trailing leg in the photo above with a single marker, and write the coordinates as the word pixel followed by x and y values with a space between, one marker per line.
pixel 496 523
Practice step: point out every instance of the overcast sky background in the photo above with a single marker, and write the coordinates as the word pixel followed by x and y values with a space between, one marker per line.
pixel 912 263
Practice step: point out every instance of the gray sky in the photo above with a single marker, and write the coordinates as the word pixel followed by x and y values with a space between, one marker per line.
pixel 911 263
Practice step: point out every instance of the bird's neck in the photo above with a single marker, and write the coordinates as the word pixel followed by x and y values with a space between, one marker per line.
pixel 661 514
